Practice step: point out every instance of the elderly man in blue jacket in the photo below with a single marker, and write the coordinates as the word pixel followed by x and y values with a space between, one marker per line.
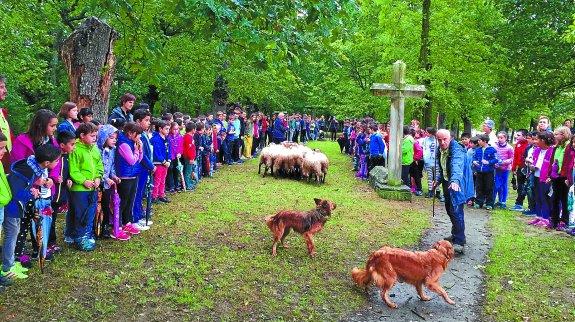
pixel 279 131
pixel 456 180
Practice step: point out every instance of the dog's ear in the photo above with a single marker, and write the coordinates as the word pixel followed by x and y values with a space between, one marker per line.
pixel 317 201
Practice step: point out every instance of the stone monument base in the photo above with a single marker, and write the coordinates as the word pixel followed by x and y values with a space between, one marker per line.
pixel 388 190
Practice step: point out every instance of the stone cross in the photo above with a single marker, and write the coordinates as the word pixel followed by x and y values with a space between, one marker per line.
pixel 397 91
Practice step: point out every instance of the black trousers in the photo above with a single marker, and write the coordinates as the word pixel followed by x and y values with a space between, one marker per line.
pixel 484 188
pixel 127 191
pixel 559 211
pixel 416 172
pixel 521 180
pixel 374 161
pixel 405 170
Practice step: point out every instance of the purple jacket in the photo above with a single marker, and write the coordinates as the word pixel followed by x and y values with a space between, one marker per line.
pixel 22 147
pixel 545 168
pixel 176 145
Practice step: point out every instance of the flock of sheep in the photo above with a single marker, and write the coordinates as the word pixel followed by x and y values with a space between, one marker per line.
pixel 294 160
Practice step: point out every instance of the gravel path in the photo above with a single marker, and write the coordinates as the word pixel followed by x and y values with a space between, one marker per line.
pixel 463 279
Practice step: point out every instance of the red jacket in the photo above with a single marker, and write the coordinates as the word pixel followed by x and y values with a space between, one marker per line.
pixel 189 147
pixel 519 155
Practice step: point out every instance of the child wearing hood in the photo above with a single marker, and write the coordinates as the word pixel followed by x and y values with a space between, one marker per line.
pixel 107 139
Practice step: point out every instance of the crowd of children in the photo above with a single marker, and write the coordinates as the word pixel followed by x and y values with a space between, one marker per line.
pixel 98 175
pixel 540 165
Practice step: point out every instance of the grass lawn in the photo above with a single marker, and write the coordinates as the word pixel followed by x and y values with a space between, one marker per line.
pixel 531 273
pixel 207 256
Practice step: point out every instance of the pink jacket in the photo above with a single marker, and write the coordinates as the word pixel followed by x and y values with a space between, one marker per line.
pixel 22 147
pixel 505 156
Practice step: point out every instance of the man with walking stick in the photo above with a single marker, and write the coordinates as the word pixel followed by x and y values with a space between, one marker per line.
pixel 456 181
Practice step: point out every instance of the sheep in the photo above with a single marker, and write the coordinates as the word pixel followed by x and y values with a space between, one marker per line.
pixel 293 159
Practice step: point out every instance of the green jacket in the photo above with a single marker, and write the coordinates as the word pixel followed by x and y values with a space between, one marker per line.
pixel 407 150
pixel 85 164
pixel 5 192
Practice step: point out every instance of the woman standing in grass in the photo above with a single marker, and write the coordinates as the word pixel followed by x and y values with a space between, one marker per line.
pixel 561 177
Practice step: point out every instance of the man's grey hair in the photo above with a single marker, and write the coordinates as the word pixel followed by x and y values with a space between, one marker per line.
pixel 444 132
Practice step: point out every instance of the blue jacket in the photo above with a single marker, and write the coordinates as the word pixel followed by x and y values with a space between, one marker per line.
pixel 490 154
pixel 123 168
pixel 459 172
pixel 20 179
pixel 361 144
pixel 118 113
pixel 146 165
pixel 279 131
pixel 161 148
pixel 66 126
pixel 376 145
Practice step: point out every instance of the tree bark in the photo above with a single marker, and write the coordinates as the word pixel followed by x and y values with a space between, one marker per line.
pixel 424 63
pixel 467 125
pixel 90 63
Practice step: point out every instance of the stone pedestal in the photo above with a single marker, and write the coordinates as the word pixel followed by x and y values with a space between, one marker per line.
pixel 378 179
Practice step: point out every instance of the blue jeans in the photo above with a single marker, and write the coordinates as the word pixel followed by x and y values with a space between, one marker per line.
pixel 456 215
pixel 11 230
pixel 138 210
pixel 1 220
pixel 83 207
pixel 188 170
pixel 501 187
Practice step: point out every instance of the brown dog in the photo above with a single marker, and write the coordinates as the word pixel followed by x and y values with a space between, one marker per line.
pixel 306 223
pixel 386 265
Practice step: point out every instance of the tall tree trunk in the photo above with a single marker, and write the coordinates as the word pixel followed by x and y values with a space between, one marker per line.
pixel 90 63
pixel 151 97
pixel 441 121
pixel 466 124
pixel 424 63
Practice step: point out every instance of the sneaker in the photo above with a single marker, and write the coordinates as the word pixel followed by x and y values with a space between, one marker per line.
pixel 460 249
pixel 84 244
pixel 5 281
pixel 19 267
pixel 122 235
pixel 529 213
pixel 476 206
pixel 14 273
pixel 534 221
pixel 502 205
pixel 488 208
pixel 25 261
pixel 544 223
pixel 143 222
pixel 154 200
pixel 441 198
pixel 449 239
pixel 130 229
pixel 517 208
pixel 54 248
pixel 418 193
pixel 140 227
pixel 561 227
pixel 164 200
pixel 68 240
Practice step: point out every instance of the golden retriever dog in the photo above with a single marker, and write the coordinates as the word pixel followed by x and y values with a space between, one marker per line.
pixel 387 265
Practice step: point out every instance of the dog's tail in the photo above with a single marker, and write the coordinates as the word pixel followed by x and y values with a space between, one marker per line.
pixel 361 276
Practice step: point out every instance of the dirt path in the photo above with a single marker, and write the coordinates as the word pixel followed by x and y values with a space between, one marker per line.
pixel 463 280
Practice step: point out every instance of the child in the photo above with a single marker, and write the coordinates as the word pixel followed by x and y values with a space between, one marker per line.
pixel 189 156
pixel 529 187
pixel 484 159
pixel 86 170
pixel 161 148
pixel 361 152
pixel 5 196
pixel 429 162
pixel 144 171
pixel 199 142
pixel 127 158
pixel 561 178
pixel 542 160
pixel 208 149
pixel 86 115
pixel 406 155
pixel 502 169
pixel 376 149
pixel 41 132
pixel 107 138
pixel 518 165
pixel 67 141
pixel 176 148
pixel 465 140
pixel 69 112
pixel 24 181
pixel 416 168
